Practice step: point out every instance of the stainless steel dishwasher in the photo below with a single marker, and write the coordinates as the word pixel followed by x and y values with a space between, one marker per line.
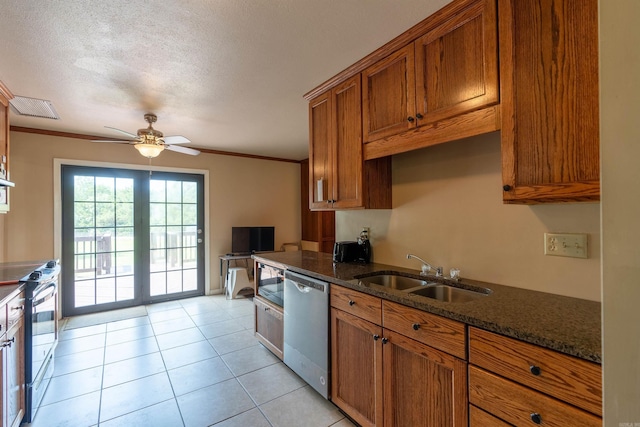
pixel 306 329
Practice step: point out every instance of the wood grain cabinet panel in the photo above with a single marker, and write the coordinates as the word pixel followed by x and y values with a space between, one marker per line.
pixel 320 167
pixel 422 386
pixel 480 418
pixel 339 176
pixel 567 378
pixel 457 64
pixel 381 377
pixel 550 114
pixel 435 331
pixel 356 303
pixel 12 375
pixel 388 95
pixel 5 97
pixel 432 90
pixel 520 405
pixel 356 360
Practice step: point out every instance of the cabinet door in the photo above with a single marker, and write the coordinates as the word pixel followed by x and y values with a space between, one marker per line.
pixel 457 64
pixel 320 168
pixel 347 144
pixel 5 95
pixel 422 386
pixel 549 78
pixel 269 325
pixel 14 371
pixel 356 361
pixel 388 95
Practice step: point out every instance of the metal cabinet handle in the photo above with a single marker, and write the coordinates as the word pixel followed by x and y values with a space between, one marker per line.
pixel 410 119
pixel 8 343
pixel 415 326
pixel 351 302
pixel 536 418
pixel 419 116
pixel 535 370
pixel 266 308
pixel 385 340
pixel 376 337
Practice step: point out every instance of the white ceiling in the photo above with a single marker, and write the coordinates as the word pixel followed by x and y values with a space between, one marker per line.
pixel 227 74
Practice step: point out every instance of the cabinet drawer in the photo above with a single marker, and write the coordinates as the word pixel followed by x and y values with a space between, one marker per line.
pixel 269 325
pixel 567 378
pixel 519 405
pixel 435 331
pixel 480 418
pixel 353 302
pixel 15 310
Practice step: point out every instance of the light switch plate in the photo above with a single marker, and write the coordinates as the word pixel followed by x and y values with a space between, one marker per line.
pixel 563 244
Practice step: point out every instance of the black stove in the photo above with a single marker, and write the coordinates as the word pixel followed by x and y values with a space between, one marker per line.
pixel 41 332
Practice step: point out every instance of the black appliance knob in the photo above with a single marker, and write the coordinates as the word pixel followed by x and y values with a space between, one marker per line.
pixel 506 187
pixel 536 418
pixel 51 264
pixel 535 370
pixel 36 275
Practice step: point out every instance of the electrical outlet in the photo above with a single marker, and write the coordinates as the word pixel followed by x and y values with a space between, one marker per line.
pixel 569 245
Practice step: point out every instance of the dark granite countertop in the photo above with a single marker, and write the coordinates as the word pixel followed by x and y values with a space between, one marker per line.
pixel 568 325
pixel 12 272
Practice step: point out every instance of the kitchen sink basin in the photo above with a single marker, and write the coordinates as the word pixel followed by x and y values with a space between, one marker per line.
pixel 393 281
pixel 425 288
pixel 448 293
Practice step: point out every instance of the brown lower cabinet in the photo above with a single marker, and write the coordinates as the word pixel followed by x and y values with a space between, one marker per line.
pixel 383 377
pixel 269 325
pixel 523 384
pixel 12 364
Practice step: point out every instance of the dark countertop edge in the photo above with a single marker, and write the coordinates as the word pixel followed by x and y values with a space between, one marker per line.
pixel 583 345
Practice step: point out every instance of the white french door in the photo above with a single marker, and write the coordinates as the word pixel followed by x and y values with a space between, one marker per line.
pixel 129 238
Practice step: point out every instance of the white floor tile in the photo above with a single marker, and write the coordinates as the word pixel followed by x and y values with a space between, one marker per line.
pixel 133 395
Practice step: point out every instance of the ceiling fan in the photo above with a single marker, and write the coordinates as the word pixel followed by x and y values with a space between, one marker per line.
pixel 151 142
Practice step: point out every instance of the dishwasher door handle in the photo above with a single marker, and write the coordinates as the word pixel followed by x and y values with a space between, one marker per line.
pixel 302 288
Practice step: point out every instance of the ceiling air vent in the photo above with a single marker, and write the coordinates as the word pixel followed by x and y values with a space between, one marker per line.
pixel 33 107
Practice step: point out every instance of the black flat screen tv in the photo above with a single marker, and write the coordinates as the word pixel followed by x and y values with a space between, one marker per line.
pixel 247 240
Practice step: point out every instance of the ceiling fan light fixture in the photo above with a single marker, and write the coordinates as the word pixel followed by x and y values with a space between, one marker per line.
pixel 149 150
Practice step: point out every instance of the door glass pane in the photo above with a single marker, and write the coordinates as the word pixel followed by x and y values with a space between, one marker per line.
pixel 103 240
pixel 176 254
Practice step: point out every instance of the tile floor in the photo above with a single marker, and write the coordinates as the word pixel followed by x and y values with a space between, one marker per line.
pixel 193 363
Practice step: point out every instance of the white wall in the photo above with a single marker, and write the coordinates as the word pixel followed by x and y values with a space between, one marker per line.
pixel 242 192
pixel 447 208
pixel 620 152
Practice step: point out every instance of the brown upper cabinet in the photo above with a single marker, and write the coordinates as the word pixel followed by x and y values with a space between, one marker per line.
pixel 526 67
pixel 339 177
pixel 449 70
pixel 549 86
pixel 5 97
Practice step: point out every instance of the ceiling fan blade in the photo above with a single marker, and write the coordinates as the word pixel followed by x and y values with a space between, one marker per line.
pixel 183 150
pixel 115 141
pixel 129 134
pixel 175 139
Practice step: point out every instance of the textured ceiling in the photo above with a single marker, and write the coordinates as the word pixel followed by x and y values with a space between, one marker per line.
pixel 227 74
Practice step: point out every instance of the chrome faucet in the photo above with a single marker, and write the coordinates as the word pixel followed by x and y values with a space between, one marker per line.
pixel 426 267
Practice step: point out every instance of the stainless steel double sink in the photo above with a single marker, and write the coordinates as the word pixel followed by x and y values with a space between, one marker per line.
pixel 423 287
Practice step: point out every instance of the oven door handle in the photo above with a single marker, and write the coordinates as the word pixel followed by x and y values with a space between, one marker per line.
pixel 50 292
